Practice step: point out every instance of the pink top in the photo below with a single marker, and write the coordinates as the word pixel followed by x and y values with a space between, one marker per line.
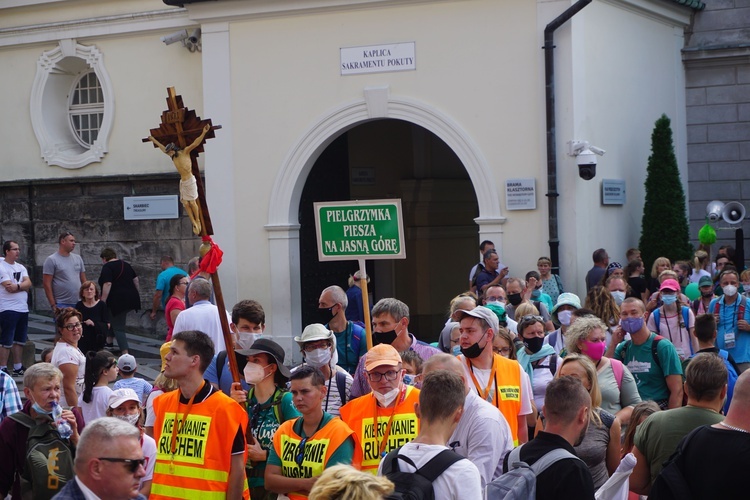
pixel 172 304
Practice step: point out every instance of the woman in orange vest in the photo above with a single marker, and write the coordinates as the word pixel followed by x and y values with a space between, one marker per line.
pixel 304 447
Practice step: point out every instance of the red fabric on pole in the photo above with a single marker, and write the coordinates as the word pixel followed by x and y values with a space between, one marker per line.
pixel 212 260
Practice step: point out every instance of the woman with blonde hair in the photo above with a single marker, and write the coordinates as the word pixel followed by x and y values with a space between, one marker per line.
pixel 600 448
pixel 344 482
pixel 660 265
pixel 700 264
pixel 619 392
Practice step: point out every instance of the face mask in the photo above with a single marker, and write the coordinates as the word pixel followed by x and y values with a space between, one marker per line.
pixel 254 373
pixel 318 357
pixel 456 350
pixel 618 296
pixel 473 350
pixel 534 344
pixel 536 294
pixel 669 299
pixel 386 399
pixel 502 304
pixel 707 294
pixel 514 299
pixel 564 317
pixel 631 325
pixel 325 315
pixel 384 337
pixel 594 350
pixel 245 340
pixel 409 379
pixel 131 419
pixel 41 410
pixel 730 290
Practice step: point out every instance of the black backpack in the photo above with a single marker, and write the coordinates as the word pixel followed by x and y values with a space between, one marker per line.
pixel 49 459
pixel 670 484
pixel 416 485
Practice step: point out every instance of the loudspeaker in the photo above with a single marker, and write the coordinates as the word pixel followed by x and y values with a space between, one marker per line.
pixel 733 212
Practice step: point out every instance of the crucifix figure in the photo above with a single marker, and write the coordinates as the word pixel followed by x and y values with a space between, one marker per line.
pixel 188 185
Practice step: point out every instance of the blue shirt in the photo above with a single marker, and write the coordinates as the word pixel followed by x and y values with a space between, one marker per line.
pixel 162 282
pixel 728 317
pixel 140 386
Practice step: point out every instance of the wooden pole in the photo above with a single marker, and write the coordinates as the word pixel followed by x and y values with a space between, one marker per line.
pixel 365 302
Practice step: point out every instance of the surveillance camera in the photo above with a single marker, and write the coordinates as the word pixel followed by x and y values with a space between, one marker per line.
pixel 175 37
pixel 586 160
pixel 195 36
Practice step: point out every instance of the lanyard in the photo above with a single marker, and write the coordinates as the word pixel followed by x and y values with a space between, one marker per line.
pixel 382 444
pixel 666 321
pixel 173 442
pixel 486 393
pixel 328 394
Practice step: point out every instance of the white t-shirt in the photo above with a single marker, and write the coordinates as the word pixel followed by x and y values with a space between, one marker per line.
pixel 63 354
pixel 149 453
pixel 542 377
pixel 98 405
pixel 17 301
pixel 150 415
pixel 669 328
pixel 460 481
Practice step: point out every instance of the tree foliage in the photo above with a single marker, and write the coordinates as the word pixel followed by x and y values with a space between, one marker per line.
pixel 664 227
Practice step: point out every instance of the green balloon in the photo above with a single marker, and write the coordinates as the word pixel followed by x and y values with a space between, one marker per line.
pixel 692 291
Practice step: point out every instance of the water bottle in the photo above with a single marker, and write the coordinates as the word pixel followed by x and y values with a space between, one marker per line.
pixel 63 427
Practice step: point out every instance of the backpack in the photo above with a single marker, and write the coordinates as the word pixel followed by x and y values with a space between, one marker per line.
pixel 654 353
pixel 740 309
pixel 520 480
pixel 275 403
pixel 479 269
pixel 617 369
pixel 48 463
pixel 685 318
pixel 416 485
pixel 670 484
pixel 356 340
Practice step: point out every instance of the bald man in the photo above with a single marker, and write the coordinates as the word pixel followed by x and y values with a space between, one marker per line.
pixel 482 435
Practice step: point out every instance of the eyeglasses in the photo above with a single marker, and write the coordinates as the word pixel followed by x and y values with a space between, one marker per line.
pixel 502 351
pixel 493 298
pixel 73 327
pixel 300 457
pixel 530 318
pixel 310 347
pixel 377 376
pixel 131 464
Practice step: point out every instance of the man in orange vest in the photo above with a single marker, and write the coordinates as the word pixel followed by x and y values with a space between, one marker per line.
pixel 498 380
pixel 305 446
pixel 199 431
pixel 385 418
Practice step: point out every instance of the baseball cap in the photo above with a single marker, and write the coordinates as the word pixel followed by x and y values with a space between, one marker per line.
pixel 705 281
pixel 670 284
pixel 119 396
pixel 163 351
pixel 482 312
pixel 381 354
pixel 268 346
pixel 127 363
pixel 313 332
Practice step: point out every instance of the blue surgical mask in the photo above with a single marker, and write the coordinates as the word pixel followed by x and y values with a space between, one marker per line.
pixel 40 410
pixel 408 379
pixel 632 325
pixel 536 294
pixel 456 350
pixel 669 299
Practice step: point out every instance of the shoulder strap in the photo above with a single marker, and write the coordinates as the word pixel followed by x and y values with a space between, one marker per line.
pixel 694 305
pixel 514 456
pixel 220 359
pixel 552 338
pixel 277 395
pixel 438 464
pixel 656 314
pixel 716 305
pixel 655 351
pixel 550 458
pixel 559 283
pixel 356 339
pixel 341 385
pixel 390 464
pixel 617 370
pixel 23 419
pixel 553 364
pixel 741 309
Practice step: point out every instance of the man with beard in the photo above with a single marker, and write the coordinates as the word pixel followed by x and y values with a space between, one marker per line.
pixel 567 408
pixel 390 325
pixel 386 418
pixel 350 337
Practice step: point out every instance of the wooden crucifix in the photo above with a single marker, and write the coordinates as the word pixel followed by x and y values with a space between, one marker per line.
pixel 181 135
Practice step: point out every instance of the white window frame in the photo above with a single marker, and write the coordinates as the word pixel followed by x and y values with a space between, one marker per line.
pixel 58 72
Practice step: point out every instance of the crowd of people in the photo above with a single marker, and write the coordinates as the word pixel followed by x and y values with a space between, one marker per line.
pixel 645 370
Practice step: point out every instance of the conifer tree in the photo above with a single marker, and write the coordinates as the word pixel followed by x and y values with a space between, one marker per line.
pixel 664 227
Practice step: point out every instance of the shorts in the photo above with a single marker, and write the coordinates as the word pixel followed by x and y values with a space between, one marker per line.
pixel 13 328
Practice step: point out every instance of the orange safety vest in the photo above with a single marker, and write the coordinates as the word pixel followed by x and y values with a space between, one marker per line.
pixel 371 443
pixel 318 449
pixel 504 391
pixel 201 464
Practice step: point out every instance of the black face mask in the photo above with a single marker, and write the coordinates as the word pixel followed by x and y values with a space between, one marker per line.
pixel 514 299
pixel 384 337
pixel 534 344
pixel 707 294
pixel 473 350
pixel 325 315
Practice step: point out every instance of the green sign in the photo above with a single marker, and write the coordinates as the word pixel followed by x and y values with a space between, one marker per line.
pixel 370 229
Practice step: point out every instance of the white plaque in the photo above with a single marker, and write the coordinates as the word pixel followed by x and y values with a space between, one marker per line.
pixel 613 192
pixel 378 58
pixel 150 207
pixel 520 194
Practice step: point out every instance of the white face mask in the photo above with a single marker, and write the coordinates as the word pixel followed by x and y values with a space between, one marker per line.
pixel 730 290
pixel 245 340
pixel 564 317
pixel 131 419
pixel 254 373
pixel 386 399
pixel 318 357
pixel 618 296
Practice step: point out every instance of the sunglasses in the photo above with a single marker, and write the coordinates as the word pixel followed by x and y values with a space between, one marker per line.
pixel 300 457
pixel 131 464
pixel 529 318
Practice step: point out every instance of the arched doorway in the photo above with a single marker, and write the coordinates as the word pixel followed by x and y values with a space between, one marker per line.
pixel 390 158
pixel 285 317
